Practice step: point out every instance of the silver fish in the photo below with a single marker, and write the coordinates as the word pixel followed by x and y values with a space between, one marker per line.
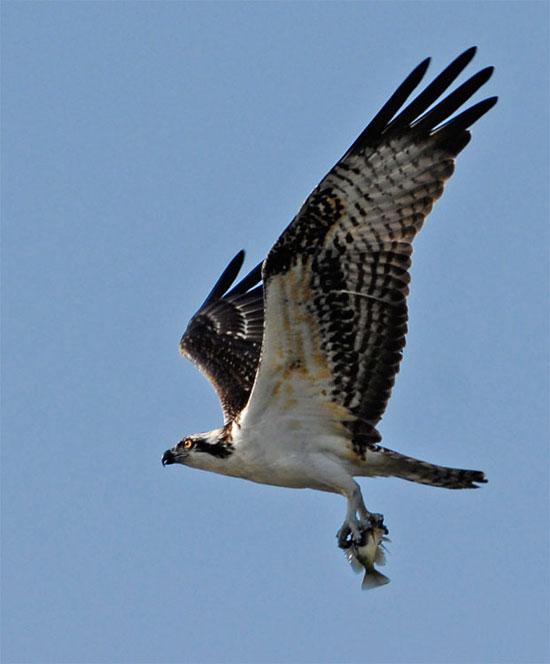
pixel 370 550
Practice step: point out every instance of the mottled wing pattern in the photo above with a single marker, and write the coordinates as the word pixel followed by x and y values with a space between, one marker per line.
pixel 224 337
pixel 338 276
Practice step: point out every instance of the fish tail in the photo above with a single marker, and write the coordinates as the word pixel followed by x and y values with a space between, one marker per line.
pixel 373 579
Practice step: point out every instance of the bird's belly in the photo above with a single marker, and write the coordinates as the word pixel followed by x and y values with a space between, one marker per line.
pixel 291 472
pixel 292 458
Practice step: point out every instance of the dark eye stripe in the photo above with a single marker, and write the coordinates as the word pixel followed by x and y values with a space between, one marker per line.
pixel 219 450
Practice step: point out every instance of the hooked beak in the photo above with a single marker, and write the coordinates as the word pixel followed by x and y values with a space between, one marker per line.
pixel 168 458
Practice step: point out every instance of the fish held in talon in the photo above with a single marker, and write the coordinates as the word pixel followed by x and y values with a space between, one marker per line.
pixel 368 552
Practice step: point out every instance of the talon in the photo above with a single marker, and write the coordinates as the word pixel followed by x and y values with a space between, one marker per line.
pixel 377 520
pixel 345 539
pixel 353 534
pixel 372 520
pixel 359 523
pixel 358 532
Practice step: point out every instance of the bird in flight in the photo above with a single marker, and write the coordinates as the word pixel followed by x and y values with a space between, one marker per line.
pixel 304 350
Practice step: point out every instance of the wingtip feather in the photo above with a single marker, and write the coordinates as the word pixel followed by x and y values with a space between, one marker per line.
pixel 226 278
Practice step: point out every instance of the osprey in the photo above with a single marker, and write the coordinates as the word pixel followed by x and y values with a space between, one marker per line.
pixel 303 352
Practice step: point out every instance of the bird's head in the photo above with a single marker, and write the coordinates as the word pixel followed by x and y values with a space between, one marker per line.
pixel 200 450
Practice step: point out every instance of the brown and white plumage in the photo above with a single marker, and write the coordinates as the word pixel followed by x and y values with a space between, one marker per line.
pixel 224 337
pixel 351 242
pixel 332 326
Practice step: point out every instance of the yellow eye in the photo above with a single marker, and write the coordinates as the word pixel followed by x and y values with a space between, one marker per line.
pixel 188 443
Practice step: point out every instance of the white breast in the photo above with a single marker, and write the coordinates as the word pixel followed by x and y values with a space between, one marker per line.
pixel 296 442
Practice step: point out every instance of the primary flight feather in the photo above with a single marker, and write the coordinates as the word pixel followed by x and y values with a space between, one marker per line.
pixel 303 352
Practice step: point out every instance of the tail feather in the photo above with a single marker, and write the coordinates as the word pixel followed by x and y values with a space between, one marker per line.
pixel 414 470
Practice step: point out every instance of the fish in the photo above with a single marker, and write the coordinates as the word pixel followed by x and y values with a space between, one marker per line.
pixel 369 550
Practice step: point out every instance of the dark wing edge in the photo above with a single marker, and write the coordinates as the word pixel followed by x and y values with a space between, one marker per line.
pixel 224 337
pixel 356 229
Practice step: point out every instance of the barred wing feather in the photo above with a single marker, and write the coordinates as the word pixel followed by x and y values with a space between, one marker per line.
pixel 337 279
pixel 224 337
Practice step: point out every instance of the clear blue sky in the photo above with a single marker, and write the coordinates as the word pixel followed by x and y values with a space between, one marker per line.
pixel 143 145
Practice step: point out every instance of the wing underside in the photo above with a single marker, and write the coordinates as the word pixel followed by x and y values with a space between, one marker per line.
pixel 337 279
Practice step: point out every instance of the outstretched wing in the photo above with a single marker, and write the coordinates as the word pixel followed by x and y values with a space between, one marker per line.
pixel 337 279
pixel 224 337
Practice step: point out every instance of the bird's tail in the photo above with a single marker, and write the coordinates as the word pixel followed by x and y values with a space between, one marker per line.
pixel 393 464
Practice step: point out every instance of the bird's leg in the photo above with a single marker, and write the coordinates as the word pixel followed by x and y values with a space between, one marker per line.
pixel 358 520
pixel 352 530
